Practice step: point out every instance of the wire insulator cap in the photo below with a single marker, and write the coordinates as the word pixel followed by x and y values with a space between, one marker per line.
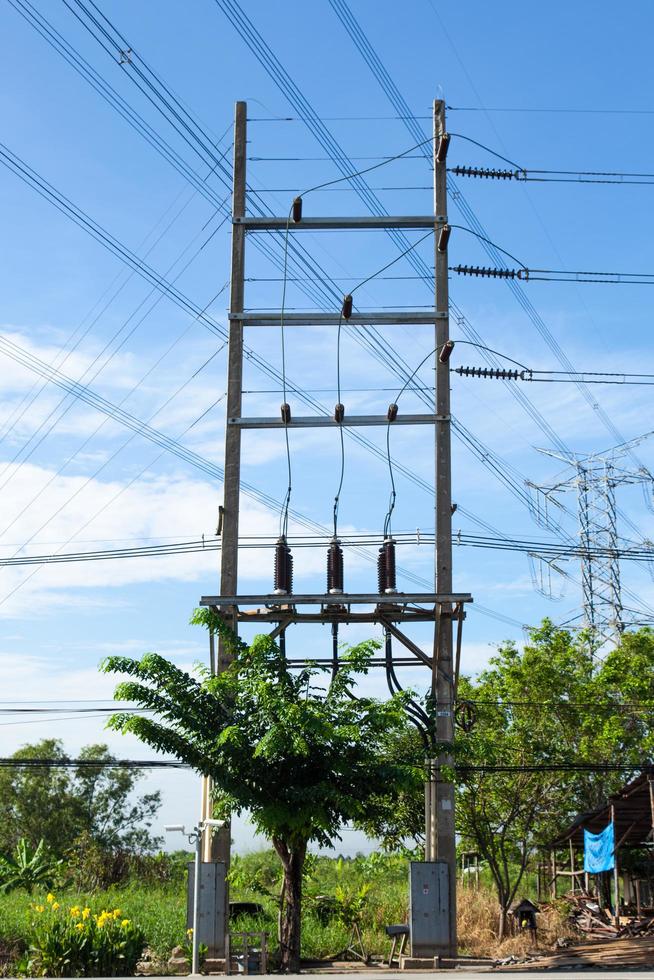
pixel 335 568
pixel 297 210
pixel 443 146
pixel 446 351
pixel 444 237
pixel 391 414
pixel 283 568
pixel 339 412
pixel 381 571
pixel 346 312
pixel 286 413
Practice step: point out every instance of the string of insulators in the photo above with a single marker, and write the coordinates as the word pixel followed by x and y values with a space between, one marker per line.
pixel 285 410
pixel 346 310
pixel 339 412
pixel 296 210
pixel 386 578
pixel 283 568
pixel 500 374
pixel 335 568
pixel 391 414
pixel 489 172
pixel 478 270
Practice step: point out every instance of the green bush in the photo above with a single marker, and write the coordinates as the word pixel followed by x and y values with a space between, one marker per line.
pixel 76 942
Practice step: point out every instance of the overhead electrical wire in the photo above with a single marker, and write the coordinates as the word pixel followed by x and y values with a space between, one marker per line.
pixel 342 10
pixel 482 456
pixel 391 90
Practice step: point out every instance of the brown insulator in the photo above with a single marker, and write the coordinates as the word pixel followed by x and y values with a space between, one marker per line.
pixel 381 571
pixel 443 144
pixel 339 412
pixel 444 238
pixel 391 414
pixel 335 568
pixel 286 413
pixel 346 311
pixel 297 209
pixel 283 568
pixel 446 351
pixel 388 549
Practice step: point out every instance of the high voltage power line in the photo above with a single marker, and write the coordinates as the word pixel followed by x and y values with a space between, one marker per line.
pixel 471 444
pixel 370 340
pixel 460 539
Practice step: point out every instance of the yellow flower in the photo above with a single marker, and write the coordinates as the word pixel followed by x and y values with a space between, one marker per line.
pixel 50 897
pixel 79 925
pixel 55 906
pixel 39 908
pixel 125 923
pixel 116 913
pixel 74 911
pixel 189 933
pixel 86 913
pixel 103 918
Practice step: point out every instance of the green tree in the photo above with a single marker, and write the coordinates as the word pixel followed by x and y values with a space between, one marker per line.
pixel 60 804
pixel 300 759
pixel 547 705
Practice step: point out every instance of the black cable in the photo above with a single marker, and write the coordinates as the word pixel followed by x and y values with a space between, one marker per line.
pixel 359 173
pixel 489 150
pixel 283 517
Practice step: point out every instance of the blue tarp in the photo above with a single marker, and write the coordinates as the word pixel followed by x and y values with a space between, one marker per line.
pixel 598 850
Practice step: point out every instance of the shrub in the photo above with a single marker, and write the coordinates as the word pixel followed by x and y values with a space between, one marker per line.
pixel 28 867
pixel 76 942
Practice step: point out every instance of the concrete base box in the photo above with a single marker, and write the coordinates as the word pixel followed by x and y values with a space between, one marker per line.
pixel 429 908
pixel 211 927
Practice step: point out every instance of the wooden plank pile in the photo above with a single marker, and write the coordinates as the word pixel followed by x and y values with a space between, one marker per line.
pixel 628 951
pixel 589 918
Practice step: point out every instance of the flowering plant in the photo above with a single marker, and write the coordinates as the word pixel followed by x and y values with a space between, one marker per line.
pixel 78 942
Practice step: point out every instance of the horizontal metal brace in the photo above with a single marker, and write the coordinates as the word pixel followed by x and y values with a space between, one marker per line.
pixel 342 599
pixel 273 319
pixel 326 421
pixel 271 223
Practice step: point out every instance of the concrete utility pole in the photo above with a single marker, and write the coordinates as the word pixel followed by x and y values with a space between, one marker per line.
pixel 442 844
pixel 217 847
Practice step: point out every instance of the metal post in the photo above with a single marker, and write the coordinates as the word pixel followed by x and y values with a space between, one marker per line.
pixel 616 877
pixel 443 681
pixel 195 958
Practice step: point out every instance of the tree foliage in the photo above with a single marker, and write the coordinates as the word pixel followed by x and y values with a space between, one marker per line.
pixel 549 704
pixel 301 758
pixel 59 805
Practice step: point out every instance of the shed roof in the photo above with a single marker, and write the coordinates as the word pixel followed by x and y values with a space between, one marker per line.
pixel 634 815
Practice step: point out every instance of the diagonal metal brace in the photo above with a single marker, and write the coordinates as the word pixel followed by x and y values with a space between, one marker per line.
pixel 409 644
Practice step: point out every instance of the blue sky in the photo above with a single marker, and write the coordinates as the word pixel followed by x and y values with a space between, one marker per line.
pixel 72 479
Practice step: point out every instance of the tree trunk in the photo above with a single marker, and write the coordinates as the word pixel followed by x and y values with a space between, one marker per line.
pixel 292 859
pixel 501 930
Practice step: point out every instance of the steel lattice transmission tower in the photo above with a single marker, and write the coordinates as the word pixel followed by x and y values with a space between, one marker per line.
pixel 595 478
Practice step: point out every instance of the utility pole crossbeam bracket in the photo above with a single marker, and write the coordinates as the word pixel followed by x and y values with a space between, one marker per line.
pixel 328 422
pixel 339 224
pixel 375 318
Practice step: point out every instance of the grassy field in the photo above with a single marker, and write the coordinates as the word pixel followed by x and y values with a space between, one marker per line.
pixel 378 884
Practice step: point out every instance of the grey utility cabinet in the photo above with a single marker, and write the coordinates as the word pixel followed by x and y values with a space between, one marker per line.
pixel 429 907
pixel 211 926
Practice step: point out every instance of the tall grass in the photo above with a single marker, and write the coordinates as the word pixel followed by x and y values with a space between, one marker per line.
pixel 160 910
